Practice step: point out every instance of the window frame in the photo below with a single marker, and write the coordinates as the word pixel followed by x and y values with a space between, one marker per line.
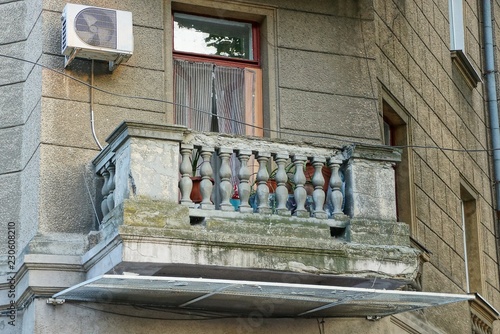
pixel 251 118
pixel 222 60
pixel 456 16
pixel 472 238
pixel 399 126
pixel 457 28
pixel 265 16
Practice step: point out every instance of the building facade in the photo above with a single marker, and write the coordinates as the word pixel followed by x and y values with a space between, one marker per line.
pixel 372 118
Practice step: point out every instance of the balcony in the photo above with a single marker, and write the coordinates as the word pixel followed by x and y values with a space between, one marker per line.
pixel 257 238
pixel 270 210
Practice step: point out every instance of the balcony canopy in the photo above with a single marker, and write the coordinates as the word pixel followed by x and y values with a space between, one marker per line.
pixel 237 297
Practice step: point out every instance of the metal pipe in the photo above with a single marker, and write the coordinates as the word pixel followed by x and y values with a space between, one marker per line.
pixel 491 96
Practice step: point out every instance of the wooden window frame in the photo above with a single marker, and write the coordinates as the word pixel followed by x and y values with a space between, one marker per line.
pixel 254 120
pixel 469 202
pixel 399 122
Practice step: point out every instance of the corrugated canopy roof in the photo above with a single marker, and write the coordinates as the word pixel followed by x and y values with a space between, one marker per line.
pixel 243 297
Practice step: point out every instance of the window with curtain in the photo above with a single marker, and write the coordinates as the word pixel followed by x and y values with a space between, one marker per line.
pixel 217 78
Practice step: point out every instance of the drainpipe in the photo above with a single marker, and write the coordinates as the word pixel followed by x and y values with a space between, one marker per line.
pixel 491 95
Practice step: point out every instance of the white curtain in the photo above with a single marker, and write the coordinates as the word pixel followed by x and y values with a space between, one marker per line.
pixel 205 90
pixel 193 94
pixel 230 99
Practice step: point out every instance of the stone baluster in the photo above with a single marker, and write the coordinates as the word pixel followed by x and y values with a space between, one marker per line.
pixel 244 176
pixel 336 198
pixel 225 187
pixel 262 188
pixel 318 182
pixel 300 192
pixel 110 200
pixel 104 191
pixel 206 173
pixel 281 179
pixel 186 183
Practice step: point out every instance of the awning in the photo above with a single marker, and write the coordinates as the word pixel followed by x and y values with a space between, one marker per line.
pixel 244 297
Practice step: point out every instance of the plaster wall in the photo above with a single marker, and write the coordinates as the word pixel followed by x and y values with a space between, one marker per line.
pixel 20 87
pixel 308 86
pixel 94 318
pixel 323 74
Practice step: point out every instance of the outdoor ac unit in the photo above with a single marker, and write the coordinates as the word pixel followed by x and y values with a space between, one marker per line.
pixel 96 33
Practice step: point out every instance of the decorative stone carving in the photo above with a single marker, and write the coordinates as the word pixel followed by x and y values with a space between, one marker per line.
pixel 300 192
pixel 225 186
pixel 186 183
pixel 337 197
pixel 318 182
pixel 281 178
pixel 244 176
pixel 206 172
pixel 262 188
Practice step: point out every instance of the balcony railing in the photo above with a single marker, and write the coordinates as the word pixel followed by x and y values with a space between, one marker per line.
pixel 247 176
pixel 242 181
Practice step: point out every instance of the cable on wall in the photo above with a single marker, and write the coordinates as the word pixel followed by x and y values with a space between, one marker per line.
pixel 92 122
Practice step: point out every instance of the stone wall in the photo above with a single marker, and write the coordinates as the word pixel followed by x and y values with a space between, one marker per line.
pixel 326 63
pixel 20 89
pixel 322 84
pixel 446 117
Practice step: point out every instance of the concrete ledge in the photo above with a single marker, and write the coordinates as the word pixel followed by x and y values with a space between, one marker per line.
pixel 145 236
pixel 369 232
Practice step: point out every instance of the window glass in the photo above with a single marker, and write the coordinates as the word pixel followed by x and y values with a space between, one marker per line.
pixel 213 37
pixel 456 25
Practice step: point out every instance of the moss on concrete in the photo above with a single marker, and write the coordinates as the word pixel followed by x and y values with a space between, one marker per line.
pixel 145 212
pixel 256 241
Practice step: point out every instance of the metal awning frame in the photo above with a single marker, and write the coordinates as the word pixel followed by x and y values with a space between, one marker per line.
pixel 241 297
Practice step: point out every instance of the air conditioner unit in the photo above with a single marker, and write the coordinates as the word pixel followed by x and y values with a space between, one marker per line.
pixel 96 33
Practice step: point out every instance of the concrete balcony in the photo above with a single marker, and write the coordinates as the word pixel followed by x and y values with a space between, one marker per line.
pixel 329 218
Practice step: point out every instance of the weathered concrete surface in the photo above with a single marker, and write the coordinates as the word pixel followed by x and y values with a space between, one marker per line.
pixel 158 233
pixel 372 232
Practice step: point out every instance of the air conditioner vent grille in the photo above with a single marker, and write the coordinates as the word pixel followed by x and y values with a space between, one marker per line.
pixel 63 33
pixel 97 27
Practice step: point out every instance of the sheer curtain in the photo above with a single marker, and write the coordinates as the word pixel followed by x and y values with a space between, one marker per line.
pixel 204 91
pixel 230 99
pixel 193 94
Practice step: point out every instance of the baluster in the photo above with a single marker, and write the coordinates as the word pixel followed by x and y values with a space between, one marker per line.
pixel 281 179
pixel 104 192
pixel 262 188
pixel 206 173
pixel 318 182
pixel 186 183
pixel 244 176
pixel 299 179
pixel 111 186
pixel 336 198
pixel 225 176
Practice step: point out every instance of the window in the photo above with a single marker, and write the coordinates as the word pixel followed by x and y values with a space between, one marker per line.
pixel 217 75
pixel 457 43
pixel 395 131
pixel 471 236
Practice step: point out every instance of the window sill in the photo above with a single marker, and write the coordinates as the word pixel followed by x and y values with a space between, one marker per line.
pixel 464 65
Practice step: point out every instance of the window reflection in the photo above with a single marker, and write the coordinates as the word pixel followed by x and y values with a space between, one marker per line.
pixel 210 36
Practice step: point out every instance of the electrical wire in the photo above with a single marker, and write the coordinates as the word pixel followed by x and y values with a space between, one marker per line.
pixel 291 133
pixel 92 127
